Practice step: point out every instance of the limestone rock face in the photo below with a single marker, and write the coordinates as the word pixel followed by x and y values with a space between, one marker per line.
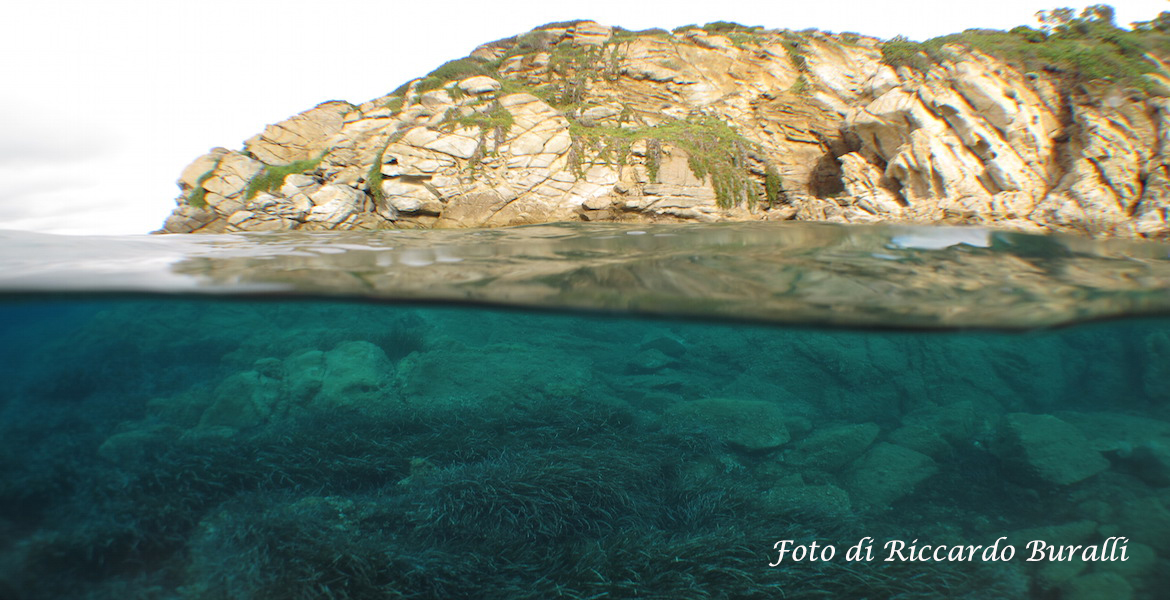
pixel 583 121
pixel 333 204
pixel 300 137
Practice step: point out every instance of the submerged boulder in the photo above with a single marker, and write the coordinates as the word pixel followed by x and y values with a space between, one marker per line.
pixel 746 424
pixel 1043 449
pixel 454 375
pixel 831 448
pixel 356 375
pixel 827 500
pixel 135 444
pixel 243 400
pixel 887 473
pixel 1097 585
pixel 353 375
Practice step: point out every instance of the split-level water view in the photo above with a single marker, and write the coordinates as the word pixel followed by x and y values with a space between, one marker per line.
pixel 667 412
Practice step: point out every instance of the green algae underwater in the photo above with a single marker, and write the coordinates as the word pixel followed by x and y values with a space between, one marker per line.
pixel 584 412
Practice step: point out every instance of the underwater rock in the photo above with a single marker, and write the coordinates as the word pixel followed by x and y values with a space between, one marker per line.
pixel 920 439
pixel 886 473
pixel 242 400
pixel 747 424
pixel 1147 521
pixel 1156 367
pixel 183 409
pixel 798 425
pixel 353 375
pixel 834 447
pixel 1140 562
pixel 272 368
pixel 454 375
pixel 1064 534
pixel 650 361
pixel 303 375
pixel 133 445
pixel 826 500
pixel 523 481
pixel 1149 461
pixel 1136 445
pixel 667 345
pixel 1050 575
pixel 1096 586
pixel 957 423
pixel 1044 448
pixel 357 375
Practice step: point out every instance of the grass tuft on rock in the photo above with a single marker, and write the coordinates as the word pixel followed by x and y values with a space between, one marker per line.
pixel 449 71
pixel 494 117
pixel 197 197
pixel 713 150
pixel 394 104
pixel 272 177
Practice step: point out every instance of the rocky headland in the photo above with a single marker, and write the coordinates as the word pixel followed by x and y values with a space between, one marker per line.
pixel 1033 129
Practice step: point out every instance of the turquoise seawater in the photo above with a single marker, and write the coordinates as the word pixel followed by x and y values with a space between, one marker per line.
pixel 585 412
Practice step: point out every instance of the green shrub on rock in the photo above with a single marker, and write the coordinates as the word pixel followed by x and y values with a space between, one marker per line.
pixel 272 177
pixel 1076 48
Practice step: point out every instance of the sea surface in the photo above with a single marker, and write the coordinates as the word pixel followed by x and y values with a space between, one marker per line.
pixel 590 411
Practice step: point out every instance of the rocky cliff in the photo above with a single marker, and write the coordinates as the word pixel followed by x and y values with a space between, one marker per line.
pixel 581 121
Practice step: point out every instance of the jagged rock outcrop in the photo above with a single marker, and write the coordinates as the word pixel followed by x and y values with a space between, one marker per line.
pixel 586 122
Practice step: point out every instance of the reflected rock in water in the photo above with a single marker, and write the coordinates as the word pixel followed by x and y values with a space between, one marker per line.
pixel 796 273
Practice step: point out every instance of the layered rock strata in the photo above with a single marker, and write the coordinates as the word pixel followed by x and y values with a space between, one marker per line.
pixel 586 122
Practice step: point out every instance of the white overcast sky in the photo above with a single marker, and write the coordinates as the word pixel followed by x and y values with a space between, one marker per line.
pixel 104 102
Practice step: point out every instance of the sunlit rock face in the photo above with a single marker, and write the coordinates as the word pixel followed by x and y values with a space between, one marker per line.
pixel 582 121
